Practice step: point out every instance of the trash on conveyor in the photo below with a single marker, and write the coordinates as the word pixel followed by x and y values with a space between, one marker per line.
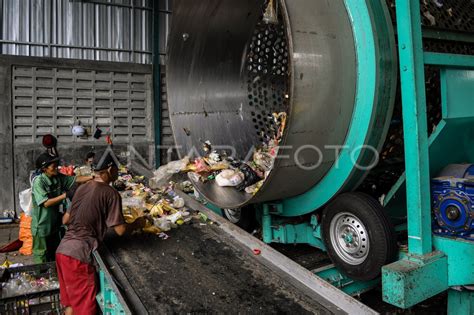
pixel 246 176
pixel 230 178
pixel 186 186
pixel 159 201
pixel 161 204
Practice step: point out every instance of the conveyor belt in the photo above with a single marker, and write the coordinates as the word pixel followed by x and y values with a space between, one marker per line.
pixel 211 268
pixel 195 272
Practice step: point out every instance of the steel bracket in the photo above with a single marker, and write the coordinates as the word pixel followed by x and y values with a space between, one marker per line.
pixel 414 279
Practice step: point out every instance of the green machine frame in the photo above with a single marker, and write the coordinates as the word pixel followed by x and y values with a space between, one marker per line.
pixel 433 264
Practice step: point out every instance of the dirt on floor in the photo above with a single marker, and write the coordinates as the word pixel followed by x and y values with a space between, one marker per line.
pixel 196 271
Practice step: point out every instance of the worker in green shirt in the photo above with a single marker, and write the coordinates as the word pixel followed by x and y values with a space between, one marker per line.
pixel 48 193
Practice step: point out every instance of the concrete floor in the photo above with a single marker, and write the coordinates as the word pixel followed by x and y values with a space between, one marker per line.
pixel 436 305
pixel 9 233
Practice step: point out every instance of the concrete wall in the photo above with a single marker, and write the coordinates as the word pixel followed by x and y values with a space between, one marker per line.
pixel 6 139
pixel 17 158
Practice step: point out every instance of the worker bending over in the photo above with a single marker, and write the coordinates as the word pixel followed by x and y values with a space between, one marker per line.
pixel 96 206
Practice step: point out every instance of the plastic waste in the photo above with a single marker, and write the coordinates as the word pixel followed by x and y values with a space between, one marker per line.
pixel 24 283
pixel 194 176
pixel 163 224
pixel 84 170
pixel 26 202
pixel 206 146
pixel 156 210
pixel 200 166
pixel 250 177
pixel 164 173
pixel 178 202
pixel 163 236
pixel 219 166
pixel 186 186
pixel 203 217
pixel 137 202
pixel 229 178
pixel 174 217
pixel 253 189
pixel 263 160
pixel 25 196
pixel 214 158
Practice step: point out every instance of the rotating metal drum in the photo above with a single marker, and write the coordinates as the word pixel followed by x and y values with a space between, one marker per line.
pixel 330 65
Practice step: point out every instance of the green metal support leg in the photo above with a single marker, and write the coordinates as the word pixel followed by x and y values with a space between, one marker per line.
pixel 267 224
pixel 418 276
pixel 415 126
pixel 460 302
pixel 107 299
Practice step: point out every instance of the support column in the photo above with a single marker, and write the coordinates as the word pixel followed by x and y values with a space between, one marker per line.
pixel 267 224
pixel 156 82
pixel 415 126
pixel 460 302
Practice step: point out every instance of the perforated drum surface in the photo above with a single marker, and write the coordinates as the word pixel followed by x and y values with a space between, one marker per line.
pixel 228 72
pixel 268 75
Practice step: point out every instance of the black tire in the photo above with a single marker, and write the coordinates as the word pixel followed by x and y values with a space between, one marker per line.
pixel 246 221
pixel 381 242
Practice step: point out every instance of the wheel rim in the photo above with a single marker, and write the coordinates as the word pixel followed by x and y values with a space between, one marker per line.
pixel 233 215
pixel 349 238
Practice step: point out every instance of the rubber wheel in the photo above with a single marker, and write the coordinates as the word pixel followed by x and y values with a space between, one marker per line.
pixel 243 217
pixel 358 235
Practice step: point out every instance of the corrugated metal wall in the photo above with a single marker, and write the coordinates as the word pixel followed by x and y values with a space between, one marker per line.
pixel 108 30
pixel 101 30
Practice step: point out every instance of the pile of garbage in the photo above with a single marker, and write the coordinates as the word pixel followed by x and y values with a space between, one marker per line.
pixel 24 283
pixel 226 171
pixel 159 201
pixel 166 209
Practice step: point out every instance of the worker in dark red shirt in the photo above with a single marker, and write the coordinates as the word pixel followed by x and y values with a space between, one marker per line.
pixel 95 208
